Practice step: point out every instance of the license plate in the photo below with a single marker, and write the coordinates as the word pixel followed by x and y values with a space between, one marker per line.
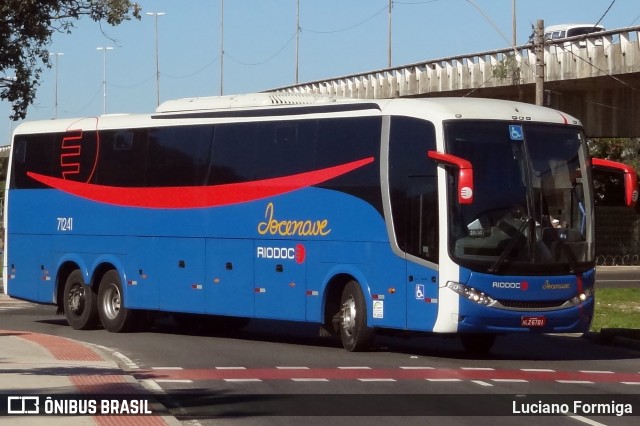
pixel 533 321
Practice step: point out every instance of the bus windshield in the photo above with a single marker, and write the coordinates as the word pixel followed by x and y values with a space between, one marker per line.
pixel 531 212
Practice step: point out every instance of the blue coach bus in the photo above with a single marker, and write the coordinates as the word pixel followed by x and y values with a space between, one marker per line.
pixel 467 216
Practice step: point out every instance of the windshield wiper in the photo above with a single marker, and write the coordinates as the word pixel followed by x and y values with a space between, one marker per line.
pixel 497 265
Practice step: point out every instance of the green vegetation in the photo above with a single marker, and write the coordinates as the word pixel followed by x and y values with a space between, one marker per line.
pixel 617 308
pixel 507 68
pixel 625 150
pixel 26 31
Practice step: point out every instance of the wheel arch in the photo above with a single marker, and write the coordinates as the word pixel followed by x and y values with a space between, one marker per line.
pixel 104 264
pixel 65 268
pixel 91 275
pixel 335 283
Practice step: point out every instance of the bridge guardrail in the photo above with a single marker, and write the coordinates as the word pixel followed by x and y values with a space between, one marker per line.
pixel 596 54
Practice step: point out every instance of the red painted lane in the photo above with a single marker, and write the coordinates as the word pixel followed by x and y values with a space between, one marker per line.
pixel 61 348
pixel 397 374
pixel 114 385
pixel 104 384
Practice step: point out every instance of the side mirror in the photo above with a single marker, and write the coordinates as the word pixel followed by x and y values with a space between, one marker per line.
pixel 630 178
pixel 465 174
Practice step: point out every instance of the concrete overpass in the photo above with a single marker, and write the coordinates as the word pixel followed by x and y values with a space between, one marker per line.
pixel 595 78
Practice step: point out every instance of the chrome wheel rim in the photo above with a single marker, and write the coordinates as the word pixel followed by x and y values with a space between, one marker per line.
pixel 349 316
pixel 111 302
pixel 76 299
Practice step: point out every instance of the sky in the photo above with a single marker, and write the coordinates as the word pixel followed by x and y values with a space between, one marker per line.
pixel 337 38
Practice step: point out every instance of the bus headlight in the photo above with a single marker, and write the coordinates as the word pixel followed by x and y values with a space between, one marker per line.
pixel 470 293
pixel 583 297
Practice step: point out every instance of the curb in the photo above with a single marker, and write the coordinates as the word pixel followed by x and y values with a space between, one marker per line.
pixel 89 370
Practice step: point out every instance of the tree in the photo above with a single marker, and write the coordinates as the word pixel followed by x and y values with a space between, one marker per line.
pixel 508 67
pixel 26 29
pixel 617 149
pixel 609 185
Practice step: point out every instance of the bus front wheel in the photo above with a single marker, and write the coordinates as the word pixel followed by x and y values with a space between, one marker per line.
pixel 354 332
pixel 79 302
pixel 113 314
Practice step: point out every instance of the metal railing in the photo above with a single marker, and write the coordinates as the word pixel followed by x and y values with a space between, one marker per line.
pixel 606 52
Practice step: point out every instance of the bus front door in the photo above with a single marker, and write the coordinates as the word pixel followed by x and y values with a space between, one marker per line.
pixel 422 297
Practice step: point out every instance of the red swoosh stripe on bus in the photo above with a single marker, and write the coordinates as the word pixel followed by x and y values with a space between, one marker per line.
pixel 185 197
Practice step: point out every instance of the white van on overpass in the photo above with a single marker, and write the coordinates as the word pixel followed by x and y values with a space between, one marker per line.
pixel 554 32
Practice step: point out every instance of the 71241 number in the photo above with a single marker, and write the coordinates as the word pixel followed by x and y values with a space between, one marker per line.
pixel 65 224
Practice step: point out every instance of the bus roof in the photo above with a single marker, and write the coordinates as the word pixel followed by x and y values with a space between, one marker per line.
pixel 486 109
pixel 188 110
pixel 243 101
pixel 446 107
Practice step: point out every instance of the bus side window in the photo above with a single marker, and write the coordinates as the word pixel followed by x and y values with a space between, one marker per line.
pixel 20 150
pixel 123 141
pixel 286 134
pixel 232 154
pixel 34 153
pixel 123 158
pixel 342 140
pixel 178 156
pixel 282 149
pixel 413 183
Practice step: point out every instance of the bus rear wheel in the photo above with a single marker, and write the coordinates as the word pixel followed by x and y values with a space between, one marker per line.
pixel 355 334
pixel 79 302
pixel 113 314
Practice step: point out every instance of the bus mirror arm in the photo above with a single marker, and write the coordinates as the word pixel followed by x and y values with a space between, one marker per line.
pixel 630 178
pixel 465 174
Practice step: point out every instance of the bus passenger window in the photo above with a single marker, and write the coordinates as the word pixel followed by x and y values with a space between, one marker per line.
pixel 123 141
pixel 413 185
pixel 123 158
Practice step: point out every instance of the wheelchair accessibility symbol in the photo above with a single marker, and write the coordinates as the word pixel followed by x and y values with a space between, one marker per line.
pixel 419 291
pixel 515 131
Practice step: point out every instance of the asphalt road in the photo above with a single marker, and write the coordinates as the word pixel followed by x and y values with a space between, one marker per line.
pixel 618 276
pixel 283 373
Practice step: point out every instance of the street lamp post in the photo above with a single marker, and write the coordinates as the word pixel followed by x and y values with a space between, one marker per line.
pixel 513 23
pixel 55 95
pixel 221 47
pixel 104 76
pixel 156 14
pixel 297 39
pixel 389 36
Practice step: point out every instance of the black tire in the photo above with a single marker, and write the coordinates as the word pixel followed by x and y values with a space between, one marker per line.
pixel 79 302
pixel 113 314
pixel 355 334
pixel 477 344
